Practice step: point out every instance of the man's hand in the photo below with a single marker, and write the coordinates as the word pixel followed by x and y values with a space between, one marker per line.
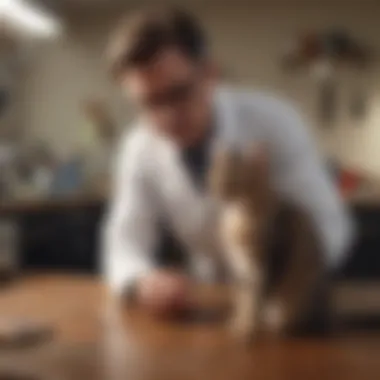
pixel 164 292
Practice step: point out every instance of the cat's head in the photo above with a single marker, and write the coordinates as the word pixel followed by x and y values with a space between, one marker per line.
pixel 237 174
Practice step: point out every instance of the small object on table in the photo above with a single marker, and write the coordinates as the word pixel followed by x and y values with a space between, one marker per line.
pixel 16 376
pixel 19 333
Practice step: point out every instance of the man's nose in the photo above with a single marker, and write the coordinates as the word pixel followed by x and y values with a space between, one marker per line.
pixel 171 117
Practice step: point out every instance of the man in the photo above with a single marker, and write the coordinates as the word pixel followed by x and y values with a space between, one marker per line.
pixel 160 58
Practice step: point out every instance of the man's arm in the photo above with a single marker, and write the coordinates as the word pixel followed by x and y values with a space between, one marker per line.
pixel 129 232
pixel 304 180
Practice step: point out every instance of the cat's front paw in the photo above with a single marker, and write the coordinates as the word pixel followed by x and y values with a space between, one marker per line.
pixel 276 317
pixel 243 330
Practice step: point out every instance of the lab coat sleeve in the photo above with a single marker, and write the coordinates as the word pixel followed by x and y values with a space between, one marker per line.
pixel 305 180
pixel 129 234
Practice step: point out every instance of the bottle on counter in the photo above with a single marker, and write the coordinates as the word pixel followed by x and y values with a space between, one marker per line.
pixel 9 257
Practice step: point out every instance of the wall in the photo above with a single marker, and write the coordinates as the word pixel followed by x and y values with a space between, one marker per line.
pixel 247 39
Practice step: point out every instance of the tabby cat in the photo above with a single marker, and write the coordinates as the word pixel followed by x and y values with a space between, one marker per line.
pixel 251 222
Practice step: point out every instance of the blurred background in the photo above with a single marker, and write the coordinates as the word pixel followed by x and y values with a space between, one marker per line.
pixel 60 115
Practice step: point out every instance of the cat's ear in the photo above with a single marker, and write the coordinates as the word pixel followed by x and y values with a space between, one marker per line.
pixel 256 153
pixel 257 163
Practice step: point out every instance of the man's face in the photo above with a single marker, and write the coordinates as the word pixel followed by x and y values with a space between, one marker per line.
pixel 174 93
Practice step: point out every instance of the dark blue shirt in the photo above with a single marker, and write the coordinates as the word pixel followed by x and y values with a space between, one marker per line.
pixel 170 252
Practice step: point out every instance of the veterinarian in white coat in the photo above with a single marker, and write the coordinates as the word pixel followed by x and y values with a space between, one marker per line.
pixel 151 180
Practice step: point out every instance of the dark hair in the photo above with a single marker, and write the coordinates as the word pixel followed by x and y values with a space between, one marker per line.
pixel 141 36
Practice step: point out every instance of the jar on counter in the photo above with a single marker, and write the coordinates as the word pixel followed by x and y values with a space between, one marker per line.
pixel 9 250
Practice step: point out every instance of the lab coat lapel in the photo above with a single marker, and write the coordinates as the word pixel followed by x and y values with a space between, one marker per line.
pixel 185 206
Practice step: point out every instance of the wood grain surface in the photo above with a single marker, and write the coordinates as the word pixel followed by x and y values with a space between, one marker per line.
pixel 96 338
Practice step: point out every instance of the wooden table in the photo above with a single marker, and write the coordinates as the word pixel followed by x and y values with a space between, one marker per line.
pixel 95 339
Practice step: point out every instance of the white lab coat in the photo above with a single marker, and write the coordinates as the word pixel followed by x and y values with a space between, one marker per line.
pixel 150 181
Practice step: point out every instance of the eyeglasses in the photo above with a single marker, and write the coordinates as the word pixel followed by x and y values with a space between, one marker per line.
pixel 176 95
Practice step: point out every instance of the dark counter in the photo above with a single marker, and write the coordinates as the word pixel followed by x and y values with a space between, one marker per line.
pixel 63 235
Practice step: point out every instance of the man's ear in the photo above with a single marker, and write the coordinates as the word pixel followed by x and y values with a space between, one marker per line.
pixel 213 71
